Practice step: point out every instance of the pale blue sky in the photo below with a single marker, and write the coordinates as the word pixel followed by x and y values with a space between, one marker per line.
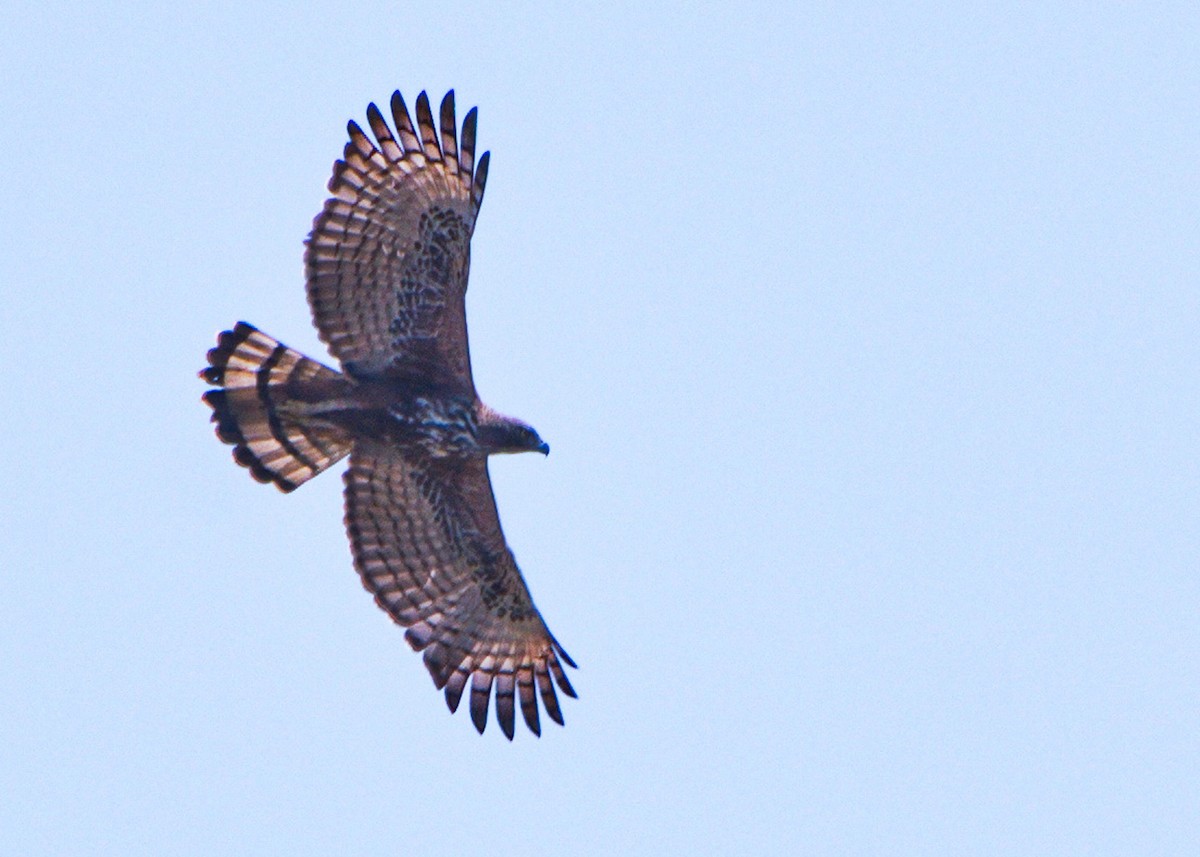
pixel 866 340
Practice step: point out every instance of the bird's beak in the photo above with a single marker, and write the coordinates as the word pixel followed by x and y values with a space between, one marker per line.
pixel 544 449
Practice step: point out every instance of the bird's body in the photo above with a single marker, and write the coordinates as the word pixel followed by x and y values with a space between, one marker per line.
pixel 411 418
pixel 387 265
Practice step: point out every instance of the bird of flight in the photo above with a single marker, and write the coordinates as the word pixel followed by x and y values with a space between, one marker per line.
pixel 386 267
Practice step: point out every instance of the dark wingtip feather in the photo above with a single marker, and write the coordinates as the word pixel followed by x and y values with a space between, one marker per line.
pixel 399 108
pixel 454 689
pixel 404 124
pixel 479 705
pixel 481 691
pixel 505 685
pixel 546 689
pixel 507 723
pixel 480 182
pixel 560 678
pixel 429 136
pixel 449 130
pixel 359 143
pixel 528 700
pixel 387 141
pixel 466 153
pixel 562 653
pixel 480 720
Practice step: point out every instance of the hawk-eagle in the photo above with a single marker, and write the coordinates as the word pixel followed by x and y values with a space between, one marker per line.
pixel 386 267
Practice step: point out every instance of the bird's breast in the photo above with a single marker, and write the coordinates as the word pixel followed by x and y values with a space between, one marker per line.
pixel 434 426
pixel 441 428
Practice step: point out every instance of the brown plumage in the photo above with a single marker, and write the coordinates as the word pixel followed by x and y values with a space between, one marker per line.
pixel 387 265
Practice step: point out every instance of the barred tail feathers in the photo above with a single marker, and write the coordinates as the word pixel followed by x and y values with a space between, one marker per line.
pixel 257 378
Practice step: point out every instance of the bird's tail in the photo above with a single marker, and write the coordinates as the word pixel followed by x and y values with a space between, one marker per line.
pixel 258 407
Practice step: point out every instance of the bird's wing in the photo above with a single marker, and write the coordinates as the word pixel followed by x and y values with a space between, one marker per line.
pixel 388 257
pixel 426 539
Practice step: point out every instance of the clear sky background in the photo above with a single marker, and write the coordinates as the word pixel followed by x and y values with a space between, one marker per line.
pixel 865 336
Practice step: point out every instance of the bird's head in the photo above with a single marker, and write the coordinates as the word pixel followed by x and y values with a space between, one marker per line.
pixel 505 434
pixel 523 438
